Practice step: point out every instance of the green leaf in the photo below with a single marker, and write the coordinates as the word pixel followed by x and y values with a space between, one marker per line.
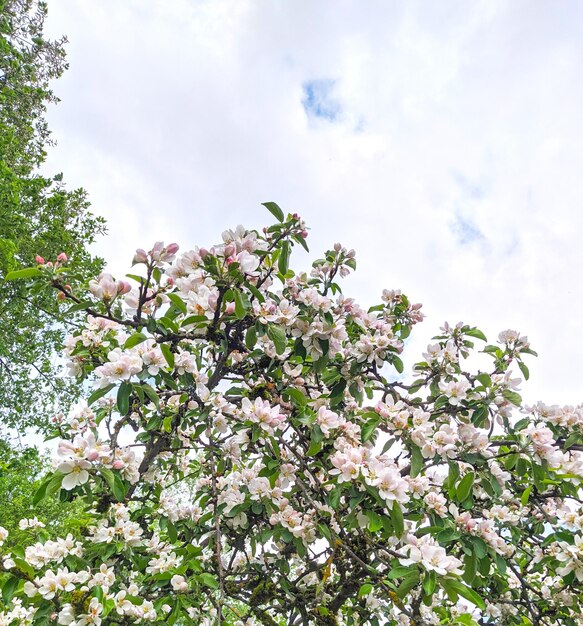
pixel 466 619
pixel 524 370
pixel 178 302
pixel 151 393
pixel 367 430
pixel 469 594
pixel 301 241
pixel 474 332
pixel 277 335
pixel 8 588
pixel 168 354
pixel 429 583
pixel 241 304
pixel 334 498
pixel 365 590
pixel 40 493
pixel 526 495
pixel 464 489
pixel 512 396
pixel 315 447
pixel 375 521
pixel 283 261
pixel 297 396
pixel 49 487
pixel 108 475
pixel 208 580
pixel 251 337
pixel 274 210
pixel 134 340
pixel 417 461
pixel 400 571
pixel 397 519
pixel 123 398
pixel 29 272
pixel 119 488
pixel 397 363
pixel 484 379
pixel 408 583
pixel 470 562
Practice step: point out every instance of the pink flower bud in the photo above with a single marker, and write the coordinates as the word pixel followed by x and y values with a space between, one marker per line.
pixel 172 248
pixel 230 250
pixel 92 455
pixel 62 257
pixel 203 252
pixel 304 233
pixel 296 216
pixel 141 256
pixel 170 281
pixel 230 308
pixel 123 287
pixel 230 260
pixel 39 260
pixel 118 464
pixel 61 296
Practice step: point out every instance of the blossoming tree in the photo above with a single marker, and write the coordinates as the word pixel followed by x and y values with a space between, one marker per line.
pixel 252 453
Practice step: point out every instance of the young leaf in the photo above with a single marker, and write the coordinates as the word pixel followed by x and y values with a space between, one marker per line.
pixel 208 580
pixel 397 519
pixel 274 210
pixel 464 489
pixel 123 398
pixel 134 340
pixel 277 335
pixel 168 354
pixel 283 261
pixel 178 302
pixel 29 272
pixel 467 593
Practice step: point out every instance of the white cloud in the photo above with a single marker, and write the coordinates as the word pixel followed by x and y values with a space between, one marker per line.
pixel 181 117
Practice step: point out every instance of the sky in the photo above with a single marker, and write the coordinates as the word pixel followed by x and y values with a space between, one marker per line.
pixel 440 140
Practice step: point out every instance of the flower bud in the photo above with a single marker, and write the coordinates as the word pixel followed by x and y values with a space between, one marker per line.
pixel 62 257
pixel 141 256
pixel 230 250
pixel 203 252
pixel 93 455
pixel 172 248
pixel 304 233
pixel 123 287
pixel 61 295
pixel 39 260
pixel 230 308
pixel 118 464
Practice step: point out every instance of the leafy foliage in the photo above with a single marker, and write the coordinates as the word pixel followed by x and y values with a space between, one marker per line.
pixel 37 216
pixel 252 454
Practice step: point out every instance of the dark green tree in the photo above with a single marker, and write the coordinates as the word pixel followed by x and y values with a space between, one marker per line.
pixel 21 470
pixel 38 215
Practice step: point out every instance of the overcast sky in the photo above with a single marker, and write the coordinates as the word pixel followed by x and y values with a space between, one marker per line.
pixel 441 140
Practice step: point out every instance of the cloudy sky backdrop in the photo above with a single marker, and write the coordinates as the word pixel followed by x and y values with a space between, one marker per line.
pixel 441 140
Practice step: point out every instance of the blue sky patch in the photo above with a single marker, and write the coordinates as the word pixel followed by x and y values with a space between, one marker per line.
pixel 466 231
pixel 318 100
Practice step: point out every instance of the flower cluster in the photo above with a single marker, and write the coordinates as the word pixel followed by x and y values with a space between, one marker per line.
pixel 253 452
